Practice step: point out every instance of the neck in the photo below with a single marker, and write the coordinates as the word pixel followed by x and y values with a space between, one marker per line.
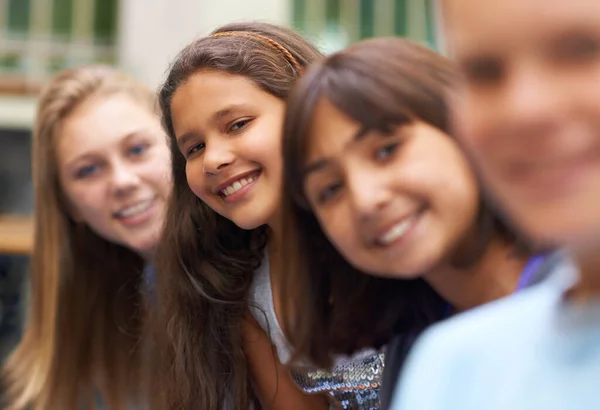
pixel 147 255
pixel 588 286
pixel 275 228
pixel 494 276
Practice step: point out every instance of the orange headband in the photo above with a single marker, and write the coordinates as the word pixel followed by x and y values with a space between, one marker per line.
pixel 265 40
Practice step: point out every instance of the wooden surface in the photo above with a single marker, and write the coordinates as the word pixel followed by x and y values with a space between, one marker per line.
pixel 16 234
pixel 18 85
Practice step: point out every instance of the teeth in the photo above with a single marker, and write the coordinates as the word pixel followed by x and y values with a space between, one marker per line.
pixel 134 209
pixel 396 231
pixel 237 185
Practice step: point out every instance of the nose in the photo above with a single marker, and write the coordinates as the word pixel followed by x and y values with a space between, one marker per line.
pixel 368 193
pixel 217 156
pixel 124 178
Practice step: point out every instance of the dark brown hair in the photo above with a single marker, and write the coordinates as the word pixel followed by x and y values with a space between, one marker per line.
pixel 330 307
pixel 205 263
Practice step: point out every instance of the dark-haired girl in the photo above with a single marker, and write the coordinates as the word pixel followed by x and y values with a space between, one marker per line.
pixel 375 183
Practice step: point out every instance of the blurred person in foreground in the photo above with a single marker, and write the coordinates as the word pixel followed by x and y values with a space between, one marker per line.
pixel 528 112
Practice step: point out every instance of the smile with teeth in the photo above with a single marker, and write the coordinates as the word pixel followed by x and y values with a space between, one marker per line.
pixel 397 231
pixel 134 210
pixel 239 184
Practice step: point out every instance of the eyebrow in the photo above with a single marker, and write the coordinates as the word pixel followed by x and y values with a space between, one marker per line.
pixel 73 162
pixel 224 112
pixel 322 163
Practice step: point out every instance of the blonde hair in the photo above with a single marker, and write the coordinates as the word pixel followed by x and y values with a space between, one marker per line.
pixel 84 321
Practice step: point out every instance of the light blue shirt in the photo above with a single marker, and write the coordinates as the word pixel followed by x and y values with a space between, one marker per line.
pixel 532 351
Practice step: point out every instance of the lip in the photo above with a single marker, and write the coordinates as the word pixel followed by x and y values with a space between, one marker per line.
pixel 240 193
pixel 217 190
pixel 415 216
pixel 140 217
pixel 132 204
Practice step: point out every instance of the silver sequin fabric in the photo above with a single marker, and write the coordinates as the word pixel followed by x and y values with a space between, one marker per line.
pixel 353 383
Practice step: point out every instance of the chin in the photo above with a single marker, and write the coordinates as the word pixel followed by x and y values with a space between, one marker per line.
pixel 400 275
pixel 146 247
pixel 369 269
pixel 402 271
pixel 248 225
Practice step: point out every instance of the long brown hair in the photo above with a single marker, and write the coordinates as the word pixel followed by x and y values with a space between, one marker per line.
pixel 330 307
pixel 206 263
pixel 84 322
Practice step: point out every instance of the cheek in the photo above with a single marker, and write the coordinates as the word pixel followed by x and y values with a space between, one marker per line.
pixel 195 179
pixel 470 121
pixel 337 226
pixel 160 177
pixel 88 203
pixel 273 160
pixel 462 185
pixel 591 98
pixel 263 145
pixel 447 180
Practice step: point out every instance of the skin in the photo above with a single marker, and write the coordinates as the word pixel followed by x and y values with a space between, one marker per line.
pixel 112 155
pixel 363 187
pixel 229 129
pixel 528 112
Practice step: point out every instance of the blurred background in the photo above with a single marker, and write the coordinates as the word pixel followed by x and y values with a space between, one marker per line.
pixel 41 37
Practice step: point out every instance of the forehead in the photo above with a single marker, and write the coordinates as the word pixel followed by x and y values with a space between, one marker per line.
pixel 210 90
pixel 330 130
pixel 472 25
pixel 101 121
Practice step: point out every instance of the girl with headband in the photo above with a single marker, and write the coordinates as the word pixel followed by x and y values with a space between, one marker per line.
pixel 218 324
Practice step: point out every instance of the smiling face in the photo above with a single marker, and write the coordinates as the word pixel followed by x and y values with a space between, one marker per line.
pixel 529 108
pixel 229 131
pixel 114 170
pixel 394 205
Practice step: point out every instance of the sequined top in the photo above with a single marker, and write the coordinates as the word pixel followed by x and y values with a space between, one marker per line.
pixel 353 383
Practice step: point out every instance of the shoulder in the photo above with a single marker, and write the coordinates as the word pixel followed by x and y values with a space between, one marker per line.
pixel 497 320
pixel 452 357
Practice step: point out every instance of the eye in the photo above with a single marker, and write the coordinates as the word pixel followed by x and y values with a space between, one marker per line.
pixel 195 149
pixel 577 48
pixel 386 151
pixel 138 149
pixel 238 125
pixel 328 192
pixel 483 71
pixel 86 171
